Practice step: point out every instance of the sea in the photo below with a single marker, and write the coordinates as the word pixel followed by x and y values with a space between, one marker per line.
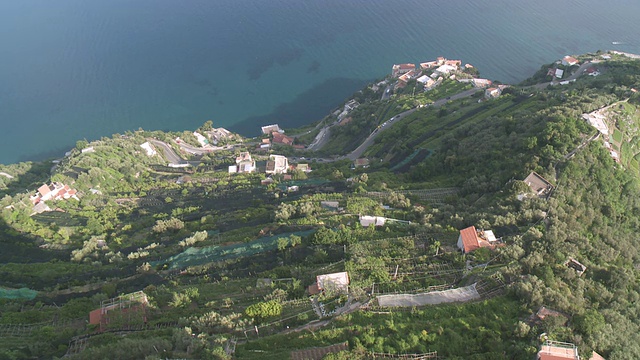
pixel 77 69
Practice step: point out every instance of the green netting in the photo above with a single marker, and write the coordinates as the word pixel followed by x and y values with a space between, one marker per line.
pixel 22 293
pixel 199 256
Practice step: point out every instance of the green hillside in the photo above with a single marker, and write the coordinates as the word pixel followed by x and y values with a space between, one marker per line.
pixel 227 262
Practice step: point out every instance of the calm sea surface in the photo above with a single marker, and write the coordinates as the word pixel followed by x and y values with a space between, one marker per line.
pixel 75 69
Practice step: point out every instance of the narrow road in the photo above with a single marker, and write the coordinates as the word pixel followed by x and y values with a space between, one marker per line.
pixel 169 154
pixel 321 138
pixel 387 124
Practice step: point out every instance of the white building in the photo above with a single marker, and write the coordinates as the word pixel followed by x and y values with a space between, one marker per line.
pixel 277 164
pixel 268 129
pixel 367 220
pixel 335 283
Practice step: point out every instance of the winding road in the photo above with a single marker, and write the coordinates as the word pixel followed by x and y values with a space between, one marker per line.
pixel 387 124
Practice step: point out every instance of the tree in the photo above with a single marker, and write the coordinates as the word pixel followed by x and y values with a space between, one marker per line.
pixel 264 310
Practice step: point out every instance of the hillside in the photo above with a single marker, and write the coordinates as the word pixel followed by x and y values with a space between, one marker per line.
pixel 176 257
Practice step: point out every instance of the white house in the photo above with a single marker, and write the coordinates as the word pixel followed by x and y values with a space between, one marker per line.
pixel 559 73
pixel 445 70
pixel 336 283
pixel 268 129
pixel 244 163
pixel 277 164
pixel 367 220
pixel 426 81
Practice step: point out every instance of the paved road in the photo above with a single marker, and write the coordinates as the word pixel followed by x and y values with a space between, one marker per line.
pixel 200 150
pixel 387 124
pixel 369 140
pixel 169 154
pixel 321 138
pixel 386 94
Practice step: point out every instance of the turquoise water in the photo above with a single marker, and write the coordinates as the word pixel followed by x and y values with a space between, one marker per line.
pixel 74 69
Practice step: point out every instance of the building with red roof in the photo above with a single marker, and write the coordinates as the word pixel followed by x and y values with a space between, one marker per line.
pixel 555 350
pixel 399 69
pixel 569 61
pixel 279 138
pixel 471 239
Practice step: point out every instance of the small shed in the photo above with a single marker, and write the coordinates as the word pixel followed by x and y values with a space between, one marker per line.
pixel 336 282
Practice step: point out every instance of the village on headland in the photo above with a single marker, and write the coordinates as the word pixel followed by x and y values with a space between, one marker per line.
pixel 219 241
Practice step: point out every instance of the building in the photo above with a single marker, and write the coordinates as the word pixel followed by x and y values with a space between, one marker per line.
pixel 544 313
pixel 444 70
pixel 538 184
pixel 569 61
pixel 277 164
pixel 426 81
pixel 428 65
pixel 124 312
pixel 481 83
pixel 279 138
pixel 54 191
pixel 404 79
pixel 471 239
pixel 303 167
pixel 399 69
pixel 219 134
pixel 556 350
pixel 244 164
pixel 492 93
pixel 361 162
pixel 559 73
pixel 576 265
pixel 351 104
pixel 268 129
pixel 455 63
pixel 335 283
pixel 367 220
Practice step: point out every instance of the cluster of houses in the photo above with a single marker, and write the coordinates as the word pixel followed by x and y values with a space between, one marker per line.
pixel 430 74
pixel 53 191
pixel 558 73
pixel 277 137
pixel 277 164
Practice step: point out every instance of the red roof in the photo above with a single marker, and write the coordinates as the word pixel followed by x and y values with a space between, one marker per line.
pixel 282 139
pixel 95 317
pixel 469 239
pixel 44 190
pixel 406 66
pixel 558 351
